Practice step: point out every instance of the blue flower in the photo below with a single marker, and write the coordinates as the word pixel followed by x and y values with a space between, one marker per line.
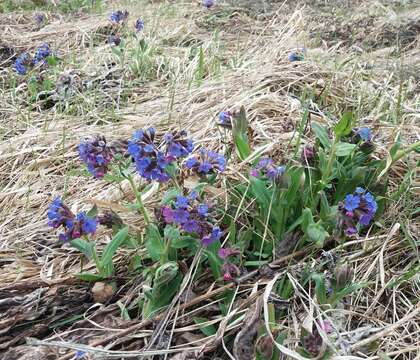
pixel 191 226
pixel 80 354
pixel 225 118
pixel 95 153
pixel 59 215
pixel 215 235
pixel 365 134
pixel 139 25
pixel 203 209
pixel 208 3
pixel 152 156
pixel 181 202
pixel 358 208
pixel 181 216
pixel 39 18
pixel 351 202
pixel 297 55
pixel 118 16
pixel 88 224
pixel 266 167
pixel 206 162
pixel 41 54
pixel 21 62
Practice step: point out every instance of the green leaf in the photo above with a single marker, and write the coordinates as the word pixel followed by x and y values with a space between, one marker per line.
pixel 113 246
pixel 93 212
pixel 307 219
pixel 184 242
pixel 256 262
pixel 344 149
pixel 154 242
pixel 124 311
pixel 86 247
pixel 214 260
pixel 321 134
pixel 320 290
pixel 317 234
pixel 240 134
pixel 345 125
pixel 89 277
pixel 166 283
pixel 207 330
pixel 171 233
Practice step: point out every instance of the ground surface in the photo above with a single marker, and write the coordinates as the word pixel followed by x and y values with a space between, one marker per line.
pixel 361 56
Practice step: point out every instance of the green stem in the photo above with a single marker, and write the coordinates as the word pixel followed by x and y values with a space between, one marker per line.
pixel 327 173
pixel 139 200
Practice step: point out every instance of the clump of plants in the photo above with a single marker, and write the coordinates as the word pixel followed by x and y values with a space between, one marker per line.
pixel 324 192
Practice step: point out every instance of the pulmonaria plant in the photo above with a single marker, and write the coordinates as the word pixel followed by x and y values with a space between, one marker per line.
pixel 229 269
pixel 75 226
pixel 41 54
pixel 118 16
pixel 139 25
pixel 357 210
pixel 206 162
pixel 225 119
pixel 364 134
pixel 193 217
pixel 22 62
pixel 266 168
pixel 152 157
pixel 114 40
pixel 96 154
pixel 298 55
pixel 208 3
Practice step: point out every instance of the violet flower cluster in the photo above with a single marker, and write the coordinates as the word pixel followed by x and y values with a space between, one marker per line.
pixel 24 60
pixel 118 16
pixel 152 157
pixel 206 162
pixel 75 226
pixel 193 217
pixel 21 63
pixel 266 168
pixel 358 209
pixel 96 154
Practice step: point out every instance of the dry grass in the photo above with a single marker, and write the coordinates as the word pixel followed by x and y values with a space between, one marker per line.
pixel 38 160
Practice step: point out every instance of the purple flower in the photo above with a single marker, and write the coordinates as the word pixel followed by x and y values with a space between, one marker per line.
pixel 192 217
pixel 21 63
pixel 212 237
pixel 206 162
pixel 203 209
pixel 191 226
pixel 74 226
pixel 208 3
pixel 358 208
pixel 41 54
pixel 181 216
pixel 365 134
pixel 225 118
pixel 95 153
pixel 118 16
pixel 266 168
pixel 39 18
pixel 114 40
pixel 152 156
pixel 139 25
